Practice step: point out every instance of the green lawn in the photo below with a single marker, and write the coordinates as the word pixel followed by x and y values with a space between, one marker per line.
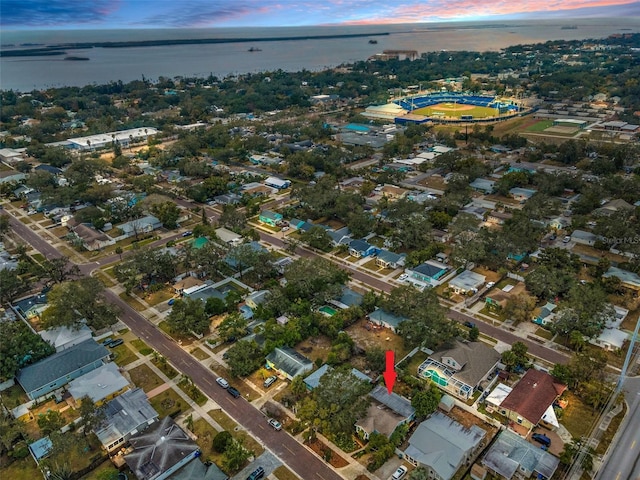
pixel 142 347
pixel 283 473
pixel 144 378
pixel 132 302
pixel 540 126
pixel 194 393
pixel 206 433
pixel 164 367
pixel 229 425
pixel 168 403
pixel 123 355
pixel 23 469
pixel 185 339
pixel 199 354
pixel 577 417
pixel 544 333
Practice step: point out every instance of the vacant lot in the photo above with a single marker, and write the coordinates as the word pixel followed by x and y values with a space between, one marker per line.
pixel 144 378
pixel 381 338
pixel 168 403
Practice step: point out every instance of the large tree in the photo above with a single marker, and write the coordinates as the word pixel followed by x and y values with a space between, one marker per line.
pixel 73 303
pixel 426 323
pixel 336 403
pixel 426 401
pixel 587 311
pixel 188 315
pixel 60 269
pixel 232 327
pixel 317 237
pixel 315 280
pixel 244 358
pixel 19 347
pixel 11 285
pixel 167 212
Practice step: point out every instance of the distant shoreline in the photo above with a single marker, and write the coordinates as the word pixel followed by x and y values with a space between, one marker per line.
pixel 60 49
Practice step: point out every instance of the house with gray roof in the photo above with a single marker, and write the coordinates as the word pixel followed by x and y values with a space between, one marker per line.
pixel 125 415
pixel 385 319
pixel 288 363
pixel 629 279
pixel 160 451
pixel 459 370
pixel 467 281
pixel 196 470
pixel 100 385
pixel 342 236
pixel 313 380
pixel 386 413
pixel 584 238
pixel 483 185
pixel 387 259
pixel 522 194
pixel 510 453
pixel 348 298
pixel 64 337
pixel 51 373
pixel 139 226
pixel 441 445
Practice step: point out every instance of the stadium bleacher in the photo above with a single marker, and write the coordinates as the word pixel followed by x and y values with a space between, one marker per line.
pixel 421 101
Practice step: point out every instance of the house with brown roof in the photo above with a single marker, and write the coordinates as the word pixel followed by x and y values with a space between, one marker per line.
pixel 91 238
pixel 530 399
pixel 459 370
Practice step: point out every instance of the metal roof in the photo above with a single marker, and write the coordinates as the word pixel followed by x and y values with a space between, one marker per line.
pixel 395 402
pixel 60 364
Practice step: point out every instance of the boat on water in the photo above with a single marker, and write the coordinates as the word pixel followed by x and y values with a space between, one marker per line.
pixel 76 59
pixel 254 49
pixel 373 42
pixel 569 27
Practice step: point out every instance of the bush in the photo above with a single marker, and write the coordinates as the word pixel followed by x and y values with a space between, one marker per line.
pixel 19 453
pixel 221 441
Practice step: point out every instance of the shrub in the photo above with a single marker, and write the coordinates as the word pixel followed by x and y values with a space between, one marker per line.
pixel 221 441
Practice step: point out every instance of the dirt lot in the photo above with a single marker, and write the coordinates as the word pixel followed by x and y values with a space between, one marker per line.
pixel 316 347
pixel 382 338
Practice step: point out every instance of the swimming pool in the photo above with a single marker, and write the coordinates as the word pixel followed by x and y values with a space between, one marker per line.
pixel 327 310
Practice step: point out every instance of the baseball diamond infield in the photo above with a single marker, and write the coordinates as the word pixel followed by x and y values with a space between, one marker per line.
pixel 455 110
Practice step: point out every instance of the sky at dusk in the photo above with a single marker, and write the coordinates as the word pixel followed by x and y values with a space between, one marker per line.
pixel 107 14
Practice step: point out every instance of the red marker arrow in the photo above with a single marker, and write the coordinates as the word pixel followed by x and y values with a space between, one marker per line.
pixel 389 374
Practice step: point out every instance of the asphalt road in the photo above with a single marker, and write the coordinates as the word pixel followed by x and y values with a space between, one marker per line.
pixel 292 453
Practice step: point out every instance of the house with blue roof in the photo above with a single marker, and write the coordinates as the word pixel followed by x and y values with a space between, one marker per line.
pixel 51 373
pixel 362 249
pixel 546 314
pixel 483 185
pixel 385 319
pixel 270 218
pixel 429 272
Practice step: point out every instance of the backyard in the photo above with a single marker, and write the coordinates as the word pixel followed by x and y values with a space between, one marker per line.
pixel 144 378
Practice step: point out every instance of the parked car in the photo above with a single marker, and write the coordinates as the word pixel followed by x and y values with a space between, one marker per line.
pixel 269 381
pixel 256 474
pixel 566 239
pixel 275 424
pixel 399 473
pixel 403 277
pixel 541 438
pixel 107 342
pixel 233 392
pixel 469 324
pixel 171 301
pixel 222 382
pixel 490 284
pixel 188 233
pixel 115 343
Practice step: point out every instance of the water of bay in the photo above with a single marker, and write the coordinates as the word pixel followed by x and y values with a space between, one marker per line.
pixel 130 63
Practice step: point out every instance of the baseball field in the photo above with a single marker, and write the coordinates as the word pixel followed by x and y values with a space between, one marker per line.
pixel 455 110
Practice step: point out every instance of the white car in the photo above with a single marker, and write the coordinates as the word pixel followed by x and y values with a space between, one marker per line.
pixel 490 284
pixel 403 277
pixel 399 473
pixel 222 382
pixel 275 424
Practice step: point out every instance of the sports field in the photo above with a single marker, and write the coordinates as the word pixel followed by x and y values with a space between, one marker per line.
pixel 455 110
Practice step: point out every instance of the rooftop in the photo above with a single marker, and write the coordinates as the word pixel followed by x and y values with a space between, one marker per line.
pixel 98 384
pixel 475 357
pixel 509 451
pixel 533 394
pixel 60 364
pixel 395 402
pixel 158 449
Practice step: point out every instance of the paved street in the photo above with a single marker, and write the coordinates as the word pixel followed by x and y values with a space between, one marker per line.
pixel 294 455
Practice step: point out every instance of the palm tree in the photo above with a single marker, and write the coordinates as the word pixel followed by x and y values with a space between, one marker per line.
pixel 577 340
pixel 188 422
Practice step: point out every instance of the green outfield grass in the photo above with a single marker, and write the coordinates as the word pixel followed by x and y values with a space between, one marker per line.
pixel 456 110
pixel 540 126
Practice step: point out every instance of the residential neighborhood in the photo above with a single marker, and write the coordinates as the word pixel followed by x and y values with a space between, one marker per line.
pixel 325 291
